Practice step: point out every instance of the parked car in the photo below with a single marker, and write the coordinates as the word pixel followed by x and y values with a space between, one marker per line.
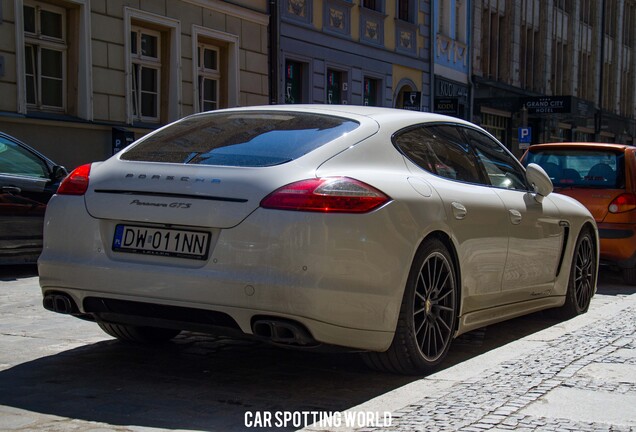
pixel 602 177
pixel 373 229
pixel 27 181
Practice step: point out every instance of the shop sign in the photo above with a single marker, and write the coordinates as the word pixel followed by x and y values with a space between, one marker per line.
pixel 448 89
pixel 412 101
pixel 547 105
pixel 448 106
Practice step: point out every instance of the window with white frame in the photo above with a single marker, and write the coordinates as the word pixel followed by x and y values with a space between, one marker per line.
pixel 45 47
pixel 145 55
pixel 208 59
pixel 216 70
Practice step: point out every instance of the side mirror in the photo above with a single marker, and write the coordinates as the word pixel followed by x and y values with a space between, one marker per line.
pixel 58 172
pixel 540 180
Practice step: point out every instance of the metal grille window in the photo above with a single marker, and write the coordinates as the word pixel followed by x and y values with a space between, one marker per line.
pixel 496 125
pixel 145 54
pixel 45 56
pixel 209 77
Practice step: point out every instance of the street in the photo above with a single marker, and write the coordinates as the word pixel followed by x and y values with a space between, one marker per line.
pixel 61 373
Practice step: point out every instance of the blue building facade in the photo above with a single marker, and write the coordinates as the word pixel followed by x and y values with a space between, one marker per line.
pixel 451 57
pixel 362 52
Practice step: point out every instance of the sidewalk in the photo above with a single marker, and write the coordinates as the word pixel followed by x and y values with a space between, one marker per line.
pixel 579 375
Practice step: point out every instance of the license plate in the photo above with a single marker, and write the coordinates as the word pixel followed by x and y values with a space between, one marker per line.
pixel 162 242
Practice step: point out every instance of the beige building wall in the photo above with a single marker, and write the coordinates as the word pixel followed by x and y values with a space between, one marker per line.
pixel 100 45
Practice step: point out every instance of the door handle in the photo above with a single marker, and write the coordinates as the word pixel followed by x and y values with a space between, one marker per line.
pixel 459 211
pixel 515 217
pixel 11 189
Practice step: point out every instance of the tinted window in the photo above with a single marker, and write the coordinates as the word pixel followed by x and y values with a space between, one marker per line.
pixel 248 139
pixel 440 150
pixel 581 168
pixel 503 170
pixel 19 161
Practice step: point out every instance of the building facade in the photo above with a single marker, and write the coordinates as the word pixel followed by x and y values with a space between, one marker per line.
pixel 362 52
pixel 80 78
pixel 560 70
pixel 451 43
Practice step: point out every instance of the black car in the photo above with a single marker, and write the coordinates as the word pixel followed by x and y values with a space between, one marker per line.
pixel 27 181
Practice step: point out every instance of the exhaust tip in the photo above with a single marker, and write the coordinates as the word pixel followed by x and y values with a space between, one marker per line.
pixel 60 303
pixel 283 332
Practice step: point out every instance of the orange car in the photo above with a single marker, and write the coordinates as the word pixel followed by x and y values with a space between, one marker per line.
pixel 603 178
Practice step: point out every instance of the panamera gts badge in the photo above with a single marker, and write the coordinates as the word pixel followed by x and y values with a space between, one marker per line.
pixel 180 205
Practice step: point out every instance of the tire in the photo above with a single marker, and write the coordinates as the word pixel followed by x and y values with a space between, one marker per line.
pixel 629 276
pixel 146 335
pixel 581 284
pixel 428 315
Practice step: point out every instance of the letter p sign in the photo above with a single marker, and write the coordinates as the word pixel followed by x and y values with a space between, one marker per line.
pixel 525 136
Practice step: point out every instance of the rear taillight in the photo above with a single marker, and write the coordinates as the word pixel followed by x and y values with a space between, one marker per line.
pixel 623 203
pixel 76 183
pixel 326 195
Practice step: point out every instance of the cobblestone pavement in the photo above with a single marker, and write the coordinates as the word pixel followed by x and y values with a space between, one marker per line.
pixel 582 380
pixel 535 373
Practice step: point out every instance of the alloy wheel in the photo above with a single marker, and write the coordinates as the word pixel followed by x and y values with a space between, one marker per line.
pixel 584 273
pixel 434 306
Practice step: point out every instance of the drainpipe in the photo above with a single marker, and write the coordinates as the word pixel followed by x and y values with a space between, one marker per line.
pixel 274 47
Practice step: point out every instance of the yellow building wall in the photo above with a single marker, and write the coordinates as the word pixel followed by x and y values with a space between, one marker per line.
pixel 401 72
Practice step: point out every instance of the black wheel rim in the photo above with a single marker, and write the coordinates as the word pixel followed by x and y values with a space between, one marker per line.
pixel 434 307
pixel 584 273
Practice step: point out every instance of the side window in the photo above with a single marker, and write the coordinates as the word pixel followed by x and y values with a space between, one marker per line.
pixel 440 150
pixel 18 161
pixel 502 168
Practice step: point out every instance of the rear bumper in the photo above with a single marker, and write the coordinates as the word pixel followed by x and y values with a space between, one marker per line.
pixel 342 282
pixel 618 244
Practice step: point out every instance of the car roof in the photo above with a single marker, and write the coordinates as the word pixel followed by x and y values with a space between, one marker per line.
pixel 384 114
pixel 580 145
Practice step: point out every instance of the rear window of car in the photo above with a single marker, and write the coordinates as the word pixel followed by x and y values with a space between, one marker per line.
pixel 581 168
pixel 242 139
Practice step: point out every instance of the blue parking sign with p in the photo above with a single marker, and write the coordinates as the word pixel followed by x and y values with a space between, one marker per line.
pixel 525 135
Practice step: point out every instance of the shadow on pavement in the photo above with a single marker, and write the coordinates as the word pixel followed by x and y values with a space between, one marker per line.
pixel 206 383
pixel 610 282
pixel 196 382
pixel 15 272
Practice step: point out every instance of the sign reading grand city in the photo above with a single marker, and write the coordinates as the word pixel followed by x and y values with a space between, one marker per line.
pixel 547 104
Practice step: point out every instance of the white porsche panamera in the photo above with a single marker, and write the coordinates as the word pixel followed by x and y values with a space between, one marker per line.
pixel 373 229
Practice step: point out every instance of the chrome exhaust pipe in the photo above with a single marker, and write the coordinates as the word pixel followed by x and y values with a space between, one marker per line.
pixel 282 332
pixel 60 303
